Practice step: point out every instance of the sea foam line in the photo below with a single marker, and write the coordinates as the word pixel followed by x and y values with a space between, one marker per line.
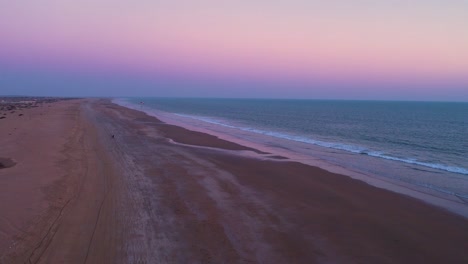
pixel 337 146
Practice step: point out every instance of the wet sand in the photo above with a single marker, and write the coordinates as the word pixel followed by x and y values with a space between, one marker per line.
pixel 157 193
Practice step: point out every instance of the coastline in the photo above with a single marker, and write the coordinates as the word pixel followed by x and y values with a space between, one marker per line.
pixel 161 193
pixel 451 202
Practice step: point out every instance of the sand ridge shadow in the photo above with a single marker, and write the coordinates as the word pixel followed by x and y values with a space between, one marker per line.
pixel 6 163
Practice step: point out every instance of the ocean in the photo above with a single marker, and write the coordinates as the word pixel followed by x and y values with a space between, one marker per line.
pixel 424 144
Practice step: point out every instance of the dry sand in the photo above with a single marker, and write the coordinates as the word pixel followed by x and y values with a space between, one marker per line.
pixel 158 193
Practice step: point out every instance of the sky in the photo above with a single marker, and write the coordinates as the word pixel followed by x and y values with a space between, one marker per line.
pixel 334 49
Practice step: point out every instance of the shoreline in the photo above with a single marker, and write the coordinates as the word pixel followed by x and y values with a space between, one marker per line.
pixel 142 197
pixel 451 202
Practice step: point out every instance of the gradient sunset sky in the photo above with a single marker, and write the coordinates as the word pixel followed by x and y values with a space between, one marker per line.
pixel 360 49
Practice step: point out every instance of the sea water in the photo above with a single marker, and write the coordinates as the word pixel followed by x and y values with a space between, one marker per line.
pixel 420 143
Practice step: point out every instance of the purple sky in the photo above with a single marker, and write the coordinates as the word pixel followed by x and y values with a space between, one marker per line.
pixel 388 50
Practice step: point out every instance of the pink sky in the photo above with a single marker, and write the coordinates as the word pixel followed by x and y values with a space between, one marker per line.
pixel 420 44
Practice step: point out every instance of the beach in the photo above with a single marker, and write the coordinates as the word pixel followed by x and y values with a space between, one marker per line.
pixel 88 181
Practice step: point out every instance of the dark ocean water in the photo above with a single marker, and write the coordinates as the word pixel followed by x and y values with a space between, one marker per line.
pixel 425 135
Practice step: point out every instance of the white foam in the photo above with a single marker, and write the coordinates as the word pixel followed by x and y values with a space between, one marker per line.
pixel 332 145
pixel 453 169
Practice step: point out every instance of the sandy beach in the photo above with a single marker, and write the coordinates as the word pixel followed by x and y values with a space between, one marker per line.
pixel 158 193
